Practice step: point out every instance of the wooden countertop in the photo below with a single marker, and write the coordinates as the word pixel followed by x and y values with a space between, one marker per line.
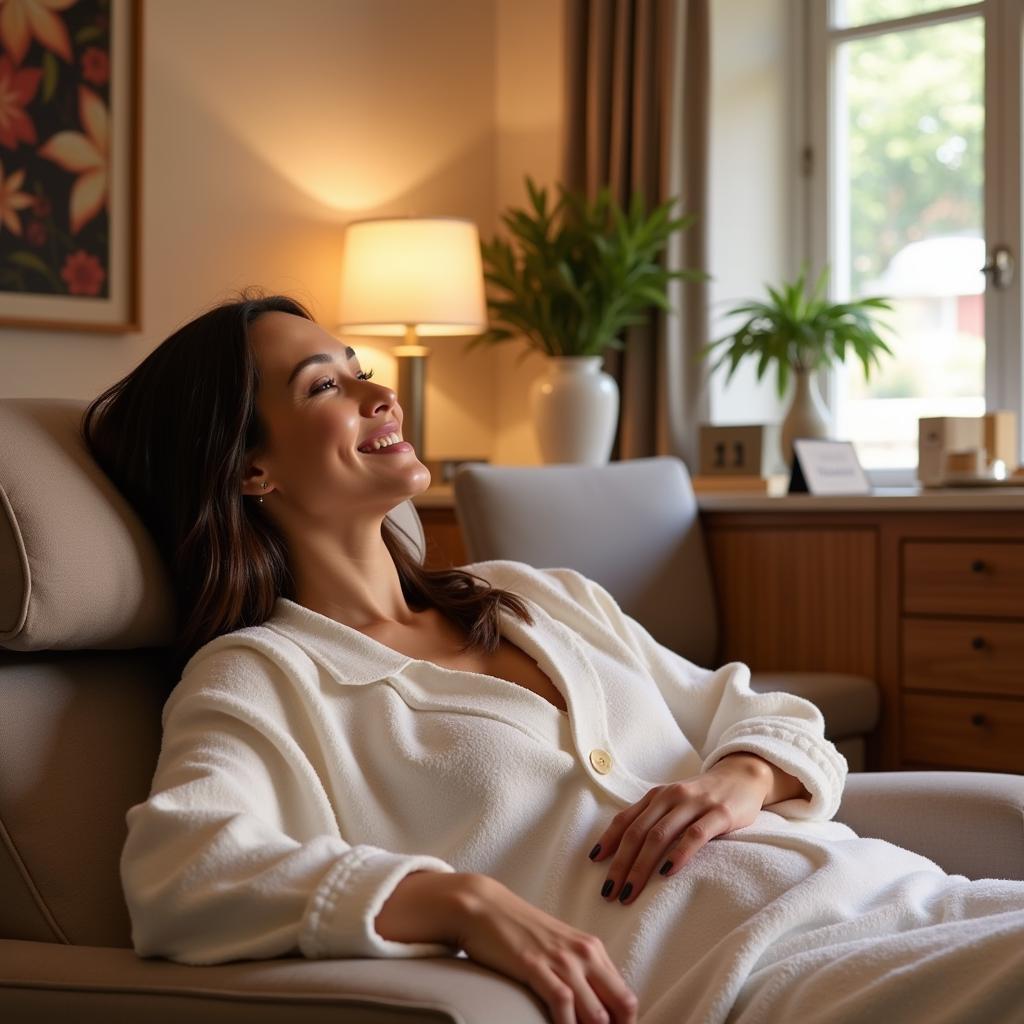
pixel 441 496
pixel 884 499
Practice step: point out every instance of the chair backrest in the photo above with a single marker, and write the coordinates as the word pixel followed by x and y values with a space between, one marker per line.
pixel 86 619
pixel 631 526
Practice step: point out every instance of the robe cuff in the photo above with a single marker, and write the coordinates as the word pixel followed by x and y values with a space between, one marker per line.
pixel 339 919
pixel 814 761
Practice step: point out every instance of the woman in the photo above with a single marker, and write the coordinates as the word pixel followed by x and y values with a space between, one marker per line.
pixel 365 758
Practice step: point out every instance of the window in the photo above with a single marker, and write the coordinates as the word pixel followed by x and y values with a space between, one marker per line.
pixel 913 172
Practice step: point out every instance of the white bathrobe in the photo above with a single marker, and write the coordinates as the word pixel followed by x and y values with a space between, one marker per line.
pixel 306 769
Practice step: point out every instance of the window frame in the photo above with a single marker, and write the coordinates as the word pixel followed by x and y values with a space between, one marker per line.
pixel 1004 42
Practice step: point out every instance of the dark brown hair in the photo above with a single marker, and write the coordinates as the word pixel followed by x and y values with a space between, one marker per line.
pixel 173 435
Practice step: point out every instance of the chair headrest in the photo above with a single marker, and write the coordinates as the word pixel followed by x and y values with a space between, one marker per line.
pixel 78 570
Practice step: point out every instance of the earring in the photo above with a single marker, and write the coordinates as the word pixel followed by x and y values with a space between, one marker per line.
pixel 260 498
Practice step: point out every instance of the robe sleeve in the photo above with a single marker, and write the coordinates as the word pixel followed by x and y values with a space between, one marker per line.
pixel 719 712
pixel 236 854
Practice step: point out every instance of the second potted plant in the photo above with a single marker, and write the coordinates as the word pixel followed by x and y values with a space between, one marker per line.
pixel 800 333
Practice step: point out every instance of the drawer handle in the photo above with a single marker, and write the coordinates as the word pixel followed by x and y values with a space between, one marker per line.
pixel 977 565
pixel 978 719
pixel 978 643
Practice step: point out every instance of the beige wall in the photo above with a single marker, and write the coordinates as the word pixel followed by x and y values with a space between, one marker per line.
pixel 530 106
pixel 268 126
pixel 754 133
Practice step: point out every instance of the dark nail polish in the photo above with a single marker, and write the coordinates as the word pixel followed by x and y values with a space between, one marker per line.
pixel 607 887
pixel 666 867
pixel 595 851
pixel 626 890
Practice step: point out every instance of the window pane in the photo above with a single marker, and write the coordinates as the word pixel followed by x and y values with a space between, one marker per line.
pixel 846 13
pixel 909 209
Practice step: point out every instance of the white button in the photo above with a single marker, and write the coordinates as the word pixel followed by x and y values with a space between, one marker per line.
pixel 601 760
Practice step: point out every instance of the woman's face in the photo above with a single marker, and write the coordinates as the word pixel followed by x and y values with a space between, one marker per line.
pixel 321 413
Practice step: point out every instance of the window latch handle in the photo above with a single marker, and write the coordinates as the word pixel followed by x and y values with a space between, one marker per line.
pixel 999 267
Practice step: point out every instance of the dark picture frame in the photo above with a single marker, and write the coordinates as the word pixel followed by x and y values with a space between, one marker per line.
pixel 70 180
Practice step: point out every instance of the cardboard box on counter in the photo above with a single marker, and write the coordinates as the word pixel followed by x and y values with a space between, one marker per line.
pixel 996 432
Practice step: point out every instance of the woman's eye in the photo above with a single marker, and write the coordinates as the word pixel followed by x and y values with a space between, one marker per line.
pixel 328 383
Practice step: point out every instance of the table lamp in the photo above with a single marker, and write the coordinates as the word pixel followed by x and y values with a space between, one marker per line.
pixel 412 277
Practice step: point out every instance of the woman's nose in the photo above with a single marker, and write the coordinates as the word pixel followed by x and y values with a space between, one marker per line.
pixel 378 398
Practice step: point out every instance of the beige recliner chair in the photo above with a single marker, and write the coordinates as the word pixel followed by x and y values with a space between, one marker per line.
pixel 85 615
pixel 633 526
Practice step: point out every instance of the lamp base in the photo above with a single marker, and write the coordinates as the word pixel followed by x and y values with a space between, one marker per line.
pixel 412 371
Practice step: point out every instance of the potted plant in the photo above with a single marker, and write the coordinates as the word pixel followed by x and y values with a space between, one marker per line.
pixel 569 281
pixel 800 333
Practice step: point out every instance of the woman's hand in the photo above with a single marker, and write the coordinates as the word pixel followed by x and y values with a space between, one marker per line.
pixel 671 823
pixel 569 969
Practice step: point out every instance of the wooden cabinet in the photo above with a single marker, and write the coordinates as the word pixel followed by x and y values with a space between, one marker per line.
pixel 928 603
pixel 972 577
pixel 444 546
pixel 798 598
pixel 957 655
pixel 963 732
pixel 961 667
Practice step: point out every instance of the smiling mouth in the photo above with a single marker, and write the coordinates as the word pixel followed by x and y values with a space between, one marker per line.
pixel 384 441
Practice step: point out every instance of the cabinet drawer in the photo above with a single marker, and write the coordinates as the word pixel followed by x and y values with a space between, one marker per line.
pixel 963 578
pixel 952 654
pixel 964 732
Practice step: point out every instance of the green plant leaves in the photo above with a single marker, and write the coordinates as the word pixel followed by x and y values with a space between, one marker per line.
pixel 797 330
pixel 571 277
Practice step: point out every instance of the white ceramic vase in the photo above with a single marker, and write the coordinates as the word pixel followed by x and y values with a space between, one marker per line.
pixel 807 416
pixel 575 409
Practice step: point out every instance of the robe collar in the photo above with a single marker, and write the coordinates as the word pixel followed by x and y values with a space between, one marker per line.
pixel 354 659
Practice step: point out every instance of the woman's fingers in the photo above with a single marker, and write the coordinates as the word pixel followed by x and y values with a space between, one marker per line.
pixel 556 993
pixel 584 989
pixel 631 827
pixel 614 993
pixel 608 841
pixel 652 840
pixel 715 823
pixel 569 969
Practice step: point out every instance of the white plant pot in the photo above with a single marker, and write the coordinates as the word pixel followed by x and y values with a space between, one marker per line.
pixel 807 416
pixel 575 409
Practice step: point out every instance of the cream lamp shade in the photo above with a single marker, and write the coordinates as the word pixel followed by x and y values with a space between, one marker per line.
pixel 423 272
pixel 412 277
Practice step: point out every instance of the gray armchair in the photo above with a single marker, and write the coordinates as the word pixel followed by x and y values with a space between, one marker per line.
pixel 633 526
pixel 85 618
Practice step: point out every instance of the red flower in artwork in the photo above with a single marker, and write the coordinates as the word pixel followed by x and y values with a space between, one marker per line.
pixel 17 88
pixel 35 234
pixel 95 65
pixel 82 273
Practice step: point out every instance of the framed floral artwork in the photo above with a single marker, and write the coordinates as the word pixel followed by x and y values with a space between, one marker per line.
pixel 69 164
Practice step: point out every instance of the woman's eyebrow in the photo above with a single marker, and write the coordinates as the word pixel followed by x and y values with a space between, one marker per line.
pixel 320 357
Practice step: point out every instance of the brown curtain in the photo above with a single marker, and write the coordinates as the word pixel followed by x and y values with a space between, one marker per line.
pixel 637 104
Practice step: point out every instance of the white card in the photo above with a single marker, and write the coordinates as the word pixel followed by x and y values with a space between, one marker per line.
pixel 827 467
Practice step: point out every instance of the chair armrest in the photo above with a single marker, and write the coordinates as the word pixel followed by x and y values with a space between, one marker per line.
pixel 44 982
pixel 969 823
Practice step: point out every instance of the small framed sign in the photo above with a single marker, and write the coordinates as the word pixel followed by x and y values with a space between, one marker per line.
pixel 744 450
pixel 826 467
